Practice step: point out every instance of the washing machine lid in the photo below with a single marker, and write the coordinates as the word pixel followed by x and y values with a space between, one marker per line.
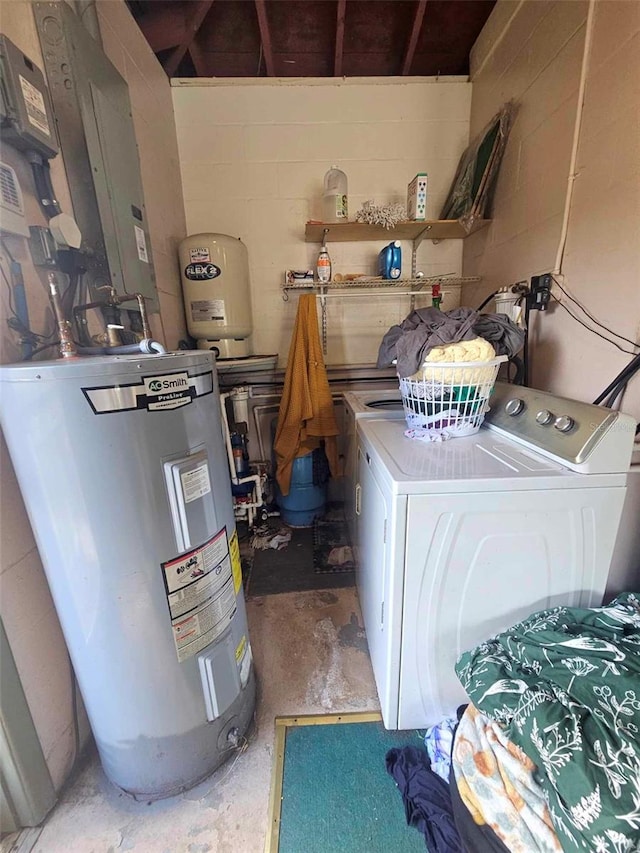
pixel 375 402
pixel 485 461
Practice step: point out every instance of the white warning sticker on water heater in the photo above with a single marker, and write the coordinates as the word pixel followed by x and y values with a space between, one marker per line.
pixel 208 310
pixel 195 483
pixel 201 595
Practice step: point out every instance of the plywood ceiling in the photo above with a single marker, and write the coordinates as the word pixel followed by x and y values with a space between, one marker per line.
pixel 311 38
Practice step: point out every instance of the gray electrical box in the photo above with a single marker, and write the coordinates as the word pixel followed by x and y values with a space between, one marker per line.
pixel 26 117
pixel 93 114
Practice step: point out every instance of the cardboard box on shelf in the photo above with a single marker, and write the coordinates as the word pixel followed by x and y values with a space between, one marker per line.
pixel 417 198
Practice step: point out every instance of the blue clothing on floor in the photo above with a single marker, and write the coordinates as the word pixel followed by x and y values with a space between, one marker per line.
pixel 427 800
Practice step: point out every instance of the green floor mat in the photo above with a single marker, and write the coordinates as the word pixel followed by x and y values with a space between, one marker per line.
pixel 334 791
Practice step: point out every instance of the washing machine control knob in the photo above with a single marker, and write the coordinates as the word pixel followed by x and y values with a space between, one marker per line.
pixel 514 406
pixel 544 417
pixel 564 423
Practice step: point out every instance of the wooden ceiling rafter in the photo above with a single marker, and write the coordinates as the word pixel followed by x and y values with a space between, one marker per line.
pixel 199 11
pixel 265 37
pixel 413 38
pixel 163 27
pixel 342 11
pixel 312 38
pixel 199 58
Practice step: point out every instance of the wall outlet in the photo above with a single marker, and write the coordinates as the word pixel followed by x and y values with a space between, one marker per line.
pixel 557 283
pixel 540 292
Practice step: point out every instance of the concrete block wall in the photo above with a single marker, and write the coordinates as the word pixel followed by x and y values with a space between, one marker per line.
pixel 254 153
pixel 532 52
pixel 26 607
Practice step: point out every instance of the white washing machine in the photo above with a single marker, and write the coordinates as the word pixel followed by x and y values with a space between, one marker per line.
pixel 460 540
pixel 624 574
pixel 372 403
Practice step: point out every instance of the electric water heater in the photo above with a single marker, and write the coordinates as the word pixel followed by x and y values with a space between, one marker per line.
pixel 125 478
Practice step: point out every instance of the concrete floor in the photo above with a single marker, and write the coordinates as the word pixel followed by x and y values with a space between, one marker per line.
pixel 310 655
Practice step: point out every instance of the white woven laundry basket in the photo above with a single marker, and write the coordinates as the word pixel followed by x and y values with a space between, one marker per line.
pixel 450 398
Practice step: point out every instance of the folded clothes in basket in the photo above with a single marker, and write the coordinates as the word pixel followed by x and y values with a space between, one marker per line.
pixel 426 328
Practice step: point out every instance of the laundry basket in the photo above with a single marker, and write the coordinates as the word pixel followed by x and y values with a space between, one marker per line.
pixel 449 399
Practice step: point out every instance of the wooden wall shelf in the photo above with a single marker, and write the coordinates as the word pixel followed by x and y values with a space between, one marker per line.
pixel 434 229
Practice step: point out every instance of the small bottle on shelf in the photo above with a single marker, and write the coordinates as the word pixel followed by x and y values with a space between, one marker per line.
pixel 323 265
pixel 334 198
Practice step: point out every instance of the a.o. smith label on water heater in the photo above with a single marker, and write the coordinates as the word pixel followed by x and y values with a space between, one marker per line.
pixel 201 595
pixel 208 310
pixel 153 393
pixel 167 392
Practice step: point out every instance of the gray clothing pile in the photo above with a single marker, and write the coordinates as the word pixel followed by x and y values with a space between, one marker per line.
pixel 426 328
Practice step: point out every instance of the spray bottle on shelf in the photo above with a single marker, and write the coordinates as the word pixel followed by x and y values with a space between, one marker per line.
pixel 323 264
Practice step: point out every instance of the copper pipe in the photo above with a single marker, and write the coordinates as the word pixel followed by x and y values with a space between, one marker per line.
pixel 114 301
pixel 67 344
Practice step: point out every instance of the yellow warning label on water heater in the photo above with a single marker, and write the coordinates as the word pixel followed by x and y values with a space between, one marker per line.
pixel 242 645
pixel 236 565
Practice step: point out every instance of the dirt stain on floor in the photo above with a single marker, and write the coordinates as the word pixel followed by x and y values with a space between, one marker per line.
pixel 352 635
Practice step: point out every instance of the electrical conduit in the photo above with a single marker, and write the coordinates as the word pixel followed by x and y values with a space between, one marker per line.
pixel 588 37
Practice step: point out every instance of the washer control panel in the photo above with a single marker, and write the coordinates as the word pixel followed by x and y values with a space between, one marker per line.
pixel 568 429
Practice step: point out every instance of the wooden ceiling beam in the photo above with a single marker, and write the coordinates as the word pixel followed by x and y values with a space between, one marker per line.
pixel 199 59
pixel 265 37
pixel 337 65
pixel 164 27
pixel 413 38
pixel 198 13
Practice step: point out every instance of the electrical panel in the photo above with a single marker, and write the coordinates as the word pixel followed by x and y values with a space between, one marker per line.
pixel 26 117
pixel 93 115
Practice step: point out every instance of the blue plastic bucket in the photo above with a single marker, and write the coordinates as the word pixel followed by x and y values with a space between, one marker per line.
pixel 305 501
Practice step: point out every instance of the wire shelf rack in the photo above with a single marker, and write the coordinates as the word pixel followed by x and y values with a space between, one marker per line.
pixel 363 286
pixel 397 287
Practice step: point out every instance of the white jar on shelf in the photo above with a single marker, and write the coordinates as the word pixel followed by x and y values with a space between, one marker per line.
pixel 334 197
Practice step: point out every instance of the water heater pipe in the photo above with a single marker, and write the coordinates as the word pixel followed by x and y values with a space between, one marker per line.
pixel 67 344
pixel 147 346
pixel 227 438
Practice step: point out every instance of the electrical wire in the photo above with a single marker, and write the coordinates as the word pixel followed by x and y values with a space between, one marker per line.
pixel 578 320
pixel 592 318
pixel 43 348
pixel 486 301
pixel 623 377
pixel 610 402
pixel 14 322
pixel 10 289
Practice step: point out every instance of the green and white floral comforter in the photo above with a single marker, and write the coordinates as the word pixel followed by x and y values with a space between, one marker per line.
pixel 565 685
